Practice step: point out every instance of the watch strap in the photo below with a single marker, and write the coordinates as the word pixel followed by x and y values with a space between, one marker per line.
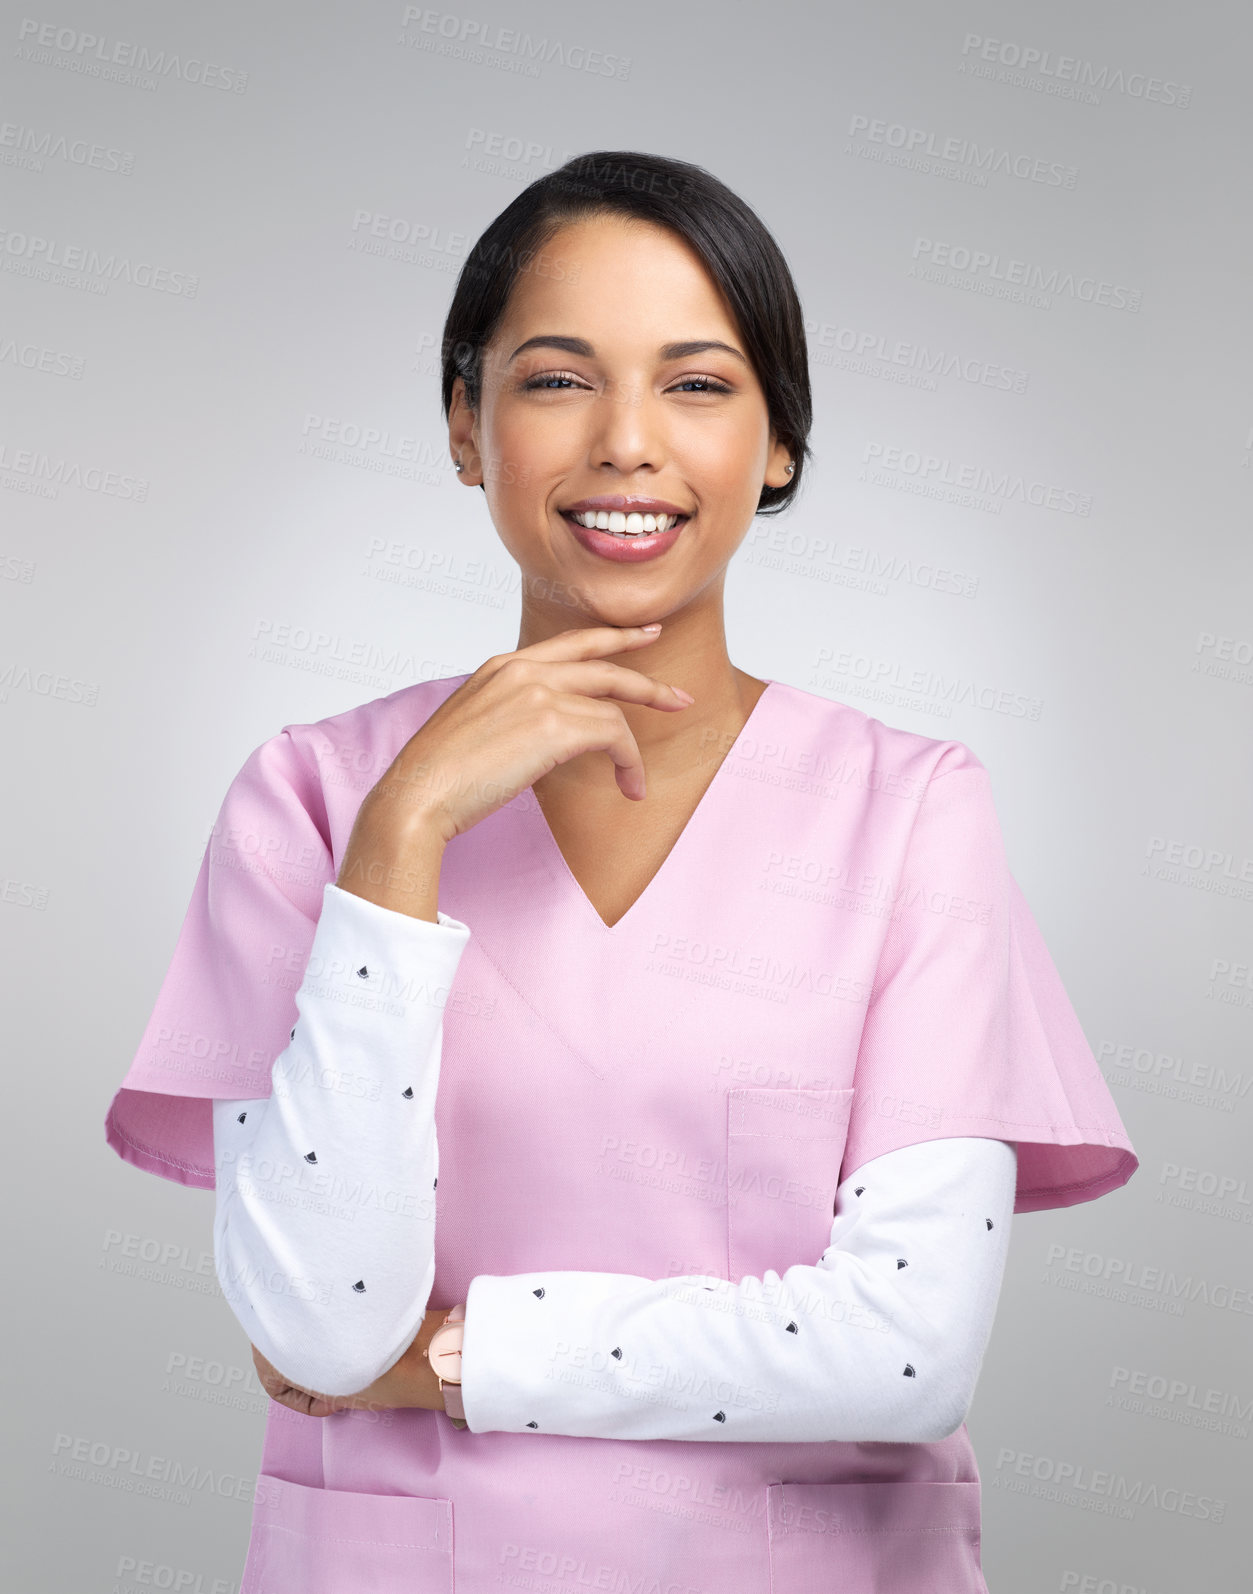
pixel 450 1388
pixel 453 1404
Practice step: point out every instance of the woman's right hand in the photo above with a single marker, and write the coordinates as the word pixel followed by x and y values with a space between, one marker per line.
pixel 518 716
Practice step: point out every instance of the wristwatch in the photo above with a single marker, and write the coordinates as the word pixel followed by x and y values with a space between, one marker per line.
pixel 444 1354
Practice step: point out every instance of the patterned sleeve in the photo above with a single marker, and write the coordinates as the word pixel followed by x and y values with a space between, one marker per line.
pixel 324 1221
pixel 882 1339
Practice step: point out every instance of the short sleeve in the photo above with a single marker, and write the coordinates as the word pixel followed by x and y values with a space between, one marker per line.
pixel 227 1004
pixel 969 1030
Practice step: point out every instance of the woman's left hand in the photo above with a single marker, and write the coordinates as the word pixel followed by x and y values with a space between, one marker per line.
pixel 410 1382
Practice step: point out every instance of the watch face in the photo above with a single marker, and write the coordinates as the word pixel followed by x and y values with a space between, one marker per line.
pixel 445 1351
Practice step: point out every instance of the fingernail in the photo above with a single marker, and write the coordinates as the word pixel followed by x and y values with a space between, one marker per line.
pixel 655 626
pixel 679 692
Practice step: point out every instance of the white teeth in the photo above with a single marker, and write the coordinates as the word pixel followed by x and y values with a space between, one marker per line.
pixel 623 525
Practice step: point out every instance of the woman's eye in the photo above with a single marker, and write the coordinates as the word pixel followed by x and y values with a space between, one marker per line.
pixel 547 379
pixel 555 381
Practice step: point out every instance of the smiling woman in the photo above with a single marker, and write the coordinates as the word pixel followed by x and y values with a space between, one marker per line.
pixel 571 393
pixel 700 250
pixel 684 1033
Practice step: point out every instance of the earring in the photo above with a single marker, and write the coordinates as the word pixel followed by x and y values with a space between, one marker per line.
pixel 790 469
pixel 457 465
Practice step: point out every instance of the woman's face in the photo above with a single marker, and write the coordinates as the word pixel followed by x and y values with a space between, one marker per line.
pixel 611 410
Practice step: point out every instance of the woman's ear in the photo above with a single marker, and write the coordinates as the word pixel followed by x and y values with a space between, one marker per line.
pixel 462 423
pixel 777 463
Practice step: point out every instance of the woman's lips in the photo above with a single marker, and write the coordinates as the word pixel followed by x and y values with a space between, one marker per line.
pixel 622 547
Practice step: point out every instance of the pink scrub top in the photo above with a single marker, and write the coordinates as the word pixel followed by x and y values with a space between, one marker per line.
pixel 832 962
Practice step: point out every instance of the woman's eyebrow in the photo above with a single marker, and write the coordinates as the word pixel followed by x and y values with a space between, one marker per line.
pixel 668 351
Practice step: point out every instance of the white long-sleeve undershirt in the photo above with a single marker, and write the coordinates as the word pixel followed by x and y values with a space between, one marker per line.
pixel 324 1228
pixel 324 1244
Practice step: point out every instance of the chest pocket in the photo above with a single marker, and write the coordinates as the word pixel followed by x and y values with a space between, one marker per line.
pixel 784 1150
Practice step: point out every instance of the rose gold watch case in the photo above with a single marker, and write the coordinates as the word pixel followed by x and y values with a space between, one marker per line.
pixel 444 1350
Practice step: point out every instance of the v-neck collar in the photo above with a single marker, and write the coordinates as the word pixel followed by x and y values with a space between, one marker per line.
pixel 650 889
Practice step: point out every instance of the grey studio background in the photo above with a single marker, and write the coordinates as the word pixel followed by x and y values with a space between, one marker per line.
pixel 1021 235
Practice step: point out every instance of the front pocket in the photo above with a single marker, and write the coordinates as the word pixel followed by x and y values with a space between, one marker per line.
pixel 334 1541
pixel 883 1537
pixel 784 1150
